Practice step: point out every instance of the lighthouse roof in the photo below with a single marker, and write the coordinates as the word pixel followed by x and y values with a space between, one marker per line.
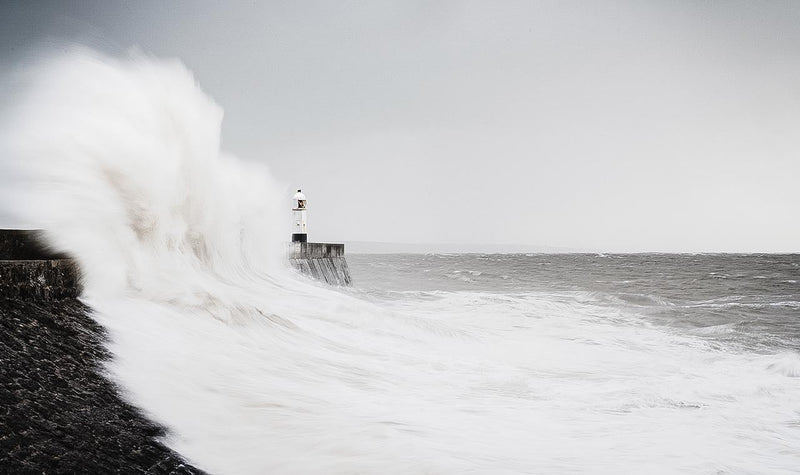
pixel 299 196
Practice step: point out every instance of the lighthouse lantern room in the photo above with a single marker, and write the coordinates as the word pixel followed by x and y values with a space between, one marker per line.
pixel 299 230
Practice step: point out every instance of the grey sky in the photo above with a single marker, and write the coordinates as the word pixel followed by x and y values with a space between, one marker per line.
pixel 619 126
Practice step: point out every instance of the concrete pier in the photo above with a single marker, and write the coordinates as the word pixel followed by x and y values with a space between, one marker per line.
pixel 322 261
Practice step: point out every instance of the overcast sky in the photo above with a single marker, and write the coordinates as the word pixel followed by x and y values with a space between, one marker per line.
pixel 610 126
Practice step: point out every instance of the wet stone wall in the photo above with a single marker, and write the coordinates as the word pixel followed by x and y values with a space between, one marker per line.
pixel 59 413
pixel 321 261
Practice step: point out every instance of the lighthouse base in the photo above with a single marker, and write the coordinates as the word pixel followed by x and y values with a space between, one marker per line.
pixel 322 261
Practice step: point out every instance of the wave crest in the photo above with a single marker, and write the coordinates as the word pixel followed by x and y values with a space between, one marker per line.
pixel 119 161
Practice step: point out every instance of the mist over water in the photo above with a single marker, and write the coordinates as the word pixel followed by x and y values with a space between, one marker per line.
pixel 255 370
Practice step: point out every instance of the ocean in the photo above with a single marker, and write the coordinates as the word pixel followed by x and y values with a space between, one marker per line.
pixel 745 301
pixel 430 363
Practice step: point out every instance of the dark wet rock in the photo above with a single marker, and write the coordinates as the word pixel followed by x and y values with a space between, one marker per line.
pixel 58 413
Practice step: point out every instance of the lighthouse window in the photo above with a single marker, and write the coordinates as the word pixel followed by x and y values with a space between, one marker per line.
pixel 301 204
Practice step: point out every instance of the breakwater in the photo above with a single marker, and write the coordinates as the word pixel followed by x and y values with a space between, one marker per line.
pixel 322 261
pixel 61 414
pixel 32 272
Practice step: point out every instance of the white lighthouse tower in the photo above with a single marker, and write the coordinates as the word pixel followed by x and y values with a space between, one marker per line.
pixel 300 228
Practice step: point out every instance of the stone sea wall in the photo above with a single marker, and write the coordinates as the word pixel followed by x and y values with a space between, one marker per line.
pixel 32 272
pixel 322 261
pixel 39 280
pixel 58 411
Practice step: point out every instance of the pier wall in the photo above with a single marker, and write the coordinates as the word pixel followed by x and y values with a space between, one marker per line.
pixel 31 272
pixel 322 261
pixel 39 280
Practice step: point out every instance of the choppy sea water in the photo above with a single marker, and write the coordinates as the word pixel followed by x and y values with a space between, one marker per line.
pixel 745 301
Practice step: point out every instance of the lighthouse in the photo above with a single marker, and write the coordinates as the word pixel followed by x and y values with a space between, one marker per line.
pixel 320 260
pixel 300 229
